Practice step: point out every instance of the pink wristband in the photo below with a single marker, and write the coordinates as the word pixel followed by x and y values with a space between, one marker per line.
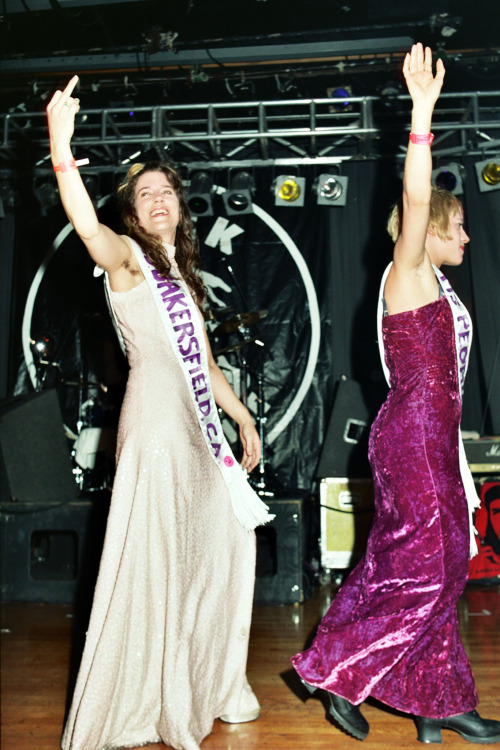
pixel 422 140
pixel 67 166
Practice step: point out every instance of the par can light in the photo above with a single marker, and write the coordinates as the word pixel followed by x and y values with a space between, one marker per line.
pixel 289 190
pixel 488 174
pixel 449 177
pixel 491 173
pixel 331 190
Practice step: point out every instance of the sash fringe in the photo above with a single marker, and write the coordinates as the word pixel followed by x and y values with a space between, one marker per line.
pixel 248 507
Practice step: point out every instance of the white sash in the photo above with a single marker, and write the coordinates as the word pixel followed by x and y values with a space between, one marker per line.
pixel 183 325
pixel 463 338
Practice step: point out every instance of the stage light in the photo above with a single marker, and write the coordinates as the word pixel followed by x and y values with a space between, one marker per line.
pixel 488 174
pixel 238 199
pixel 331 190
pixel 449 177
pixel 289 190
pixel 343 94
pixel 200 194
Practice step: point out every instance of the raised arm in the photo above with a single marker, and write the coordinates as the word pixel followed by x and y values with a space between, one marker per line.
pixel 107 248
pixel 411 278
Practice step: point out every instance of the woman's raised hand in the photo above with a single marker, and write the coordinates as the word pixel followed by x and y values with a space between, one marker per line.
pixel 61 112
pixel 424 87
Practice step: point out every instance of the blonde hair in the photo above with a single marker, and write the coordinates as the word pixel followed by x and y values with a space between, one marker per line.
pixel 443 205
pixel 187 253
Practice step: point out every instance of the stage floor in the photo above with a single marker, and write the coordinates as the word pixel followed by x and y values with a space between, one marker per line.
pixel 38 639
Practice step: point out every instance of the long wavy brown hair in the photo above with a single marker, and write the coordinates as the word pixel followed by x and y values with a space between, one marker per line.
pixel 187 254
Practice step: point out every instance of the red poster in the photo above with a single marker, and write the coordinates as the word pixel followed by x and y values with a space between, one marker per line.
pixel 486 565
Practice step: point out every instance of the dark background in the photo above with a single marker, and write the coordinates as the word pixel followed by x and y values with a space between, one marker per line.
pixel 124 54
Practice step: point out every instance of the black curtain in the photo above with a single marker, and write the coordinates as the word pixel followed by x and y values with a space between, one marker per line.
pixel 344 248
pixel 482 401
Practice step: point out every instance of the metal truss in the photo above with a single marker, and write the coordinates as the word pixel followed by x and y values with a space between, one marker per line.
pixel 256 133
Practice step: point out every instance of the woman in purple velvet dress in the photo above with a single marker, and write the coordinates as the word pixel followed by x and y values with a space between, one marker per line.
pixel 392 630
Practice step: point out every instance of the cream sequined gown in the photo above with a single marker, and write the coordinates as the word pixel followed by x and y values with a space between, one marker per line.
pixel 166 648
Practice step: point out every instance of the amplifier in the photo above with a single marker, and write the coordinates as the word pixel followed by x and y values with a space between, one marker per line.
pixel 345 520
pixel 483 454
pixel 283 551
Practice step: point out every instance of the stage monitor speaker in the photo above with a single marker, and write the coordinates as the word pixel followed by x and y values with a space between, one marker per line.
pixel 282 548
pixel 345 448
pixel 35 461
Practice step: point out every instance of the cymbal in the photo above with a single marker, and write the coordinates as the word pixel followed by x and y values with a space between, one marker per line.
pixel 241 320
pixel 82 383
pixel 235 347
pixel 214 313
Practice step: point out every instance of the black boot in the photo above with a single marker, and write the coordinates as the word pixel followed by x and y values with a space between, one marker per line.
pixel 346 714
pixel 470 725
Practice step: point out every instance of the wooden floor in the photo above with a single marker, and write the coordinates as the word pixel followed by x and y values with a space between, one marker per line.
pixel 36 648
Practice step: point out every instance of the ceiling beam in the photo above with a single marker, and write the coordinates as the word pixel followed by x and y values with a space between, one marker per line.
pixel 134 59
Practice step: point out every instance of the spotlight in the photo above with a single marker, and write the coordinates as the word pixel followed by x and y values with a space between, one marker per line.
pixel 488 174
pixel 331 190
pixel 449 177
pixel 42 346
pixel 200 194
pixel 343 94
pixel 238 199
pixel 289 190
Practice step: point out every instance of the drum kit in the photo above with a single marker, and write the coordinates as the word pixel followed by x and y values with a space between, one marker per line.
pixel 94 444
pixel 238 325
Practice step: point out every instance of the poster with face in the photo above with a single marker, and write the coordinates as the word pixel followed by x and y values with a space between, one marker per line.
pixel 485 566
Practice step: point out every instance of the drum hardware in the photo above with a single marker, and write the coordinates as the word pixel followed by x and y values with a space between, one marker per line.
pixel 93 447
pixel 42 347
pixel 241 320
pixel 263 481
pixel 215 313
pixel 236 347
pixel 262 478
pixel 240 323
pixel 84 384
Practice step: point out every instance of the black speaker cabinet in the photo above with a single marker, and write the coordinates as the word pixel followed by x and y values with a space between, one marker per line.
pixel 35 462
pixel 281 552
pixel 50 553
pixel 345 449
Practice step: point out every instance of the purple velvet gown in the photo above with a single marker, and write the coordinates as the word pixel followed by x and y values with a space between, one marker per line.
pixel 392 630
